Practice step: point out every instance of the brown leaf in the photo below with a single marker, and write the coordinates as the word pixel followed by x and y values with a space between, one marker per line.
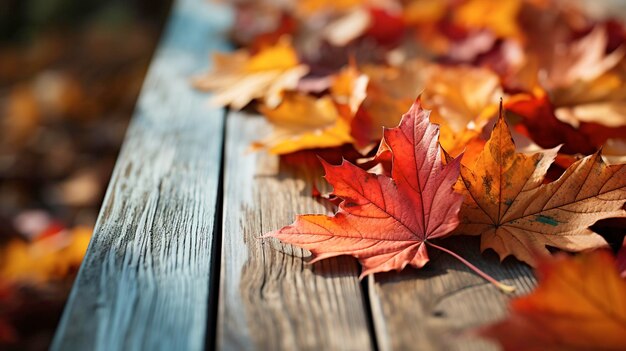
pixel 515 214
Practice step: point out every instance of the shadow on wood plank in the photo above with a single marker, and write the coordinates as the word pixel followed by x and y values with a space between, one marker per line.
pixel 444 299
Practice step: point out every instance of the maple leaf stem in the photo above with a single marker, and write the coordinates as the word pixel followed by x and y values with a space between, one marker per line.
pixel 505 288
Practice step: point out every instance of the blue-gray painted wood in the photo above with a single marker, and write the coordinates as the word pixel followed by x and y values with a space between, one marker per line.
pixel 270 299
pixel 145 280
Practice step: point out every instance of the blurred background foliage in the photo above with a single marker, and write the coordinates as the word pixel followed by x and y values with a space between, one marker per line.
pixel 70 74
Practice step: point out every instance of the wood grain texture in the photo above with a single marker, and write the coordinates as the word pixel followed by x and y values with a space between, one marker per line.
pixel 144 282
pixel 270 299
pixel 432 308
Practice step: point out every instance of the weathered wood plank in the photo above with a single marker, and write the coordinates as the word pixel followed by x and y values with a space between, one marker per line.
pixel 429 309
pixel 269 298
pixel 145 280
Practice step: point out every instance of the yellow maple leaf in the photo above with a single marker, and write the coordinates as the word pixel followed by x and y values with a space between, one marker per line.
pixel 305 122
pixel 241 77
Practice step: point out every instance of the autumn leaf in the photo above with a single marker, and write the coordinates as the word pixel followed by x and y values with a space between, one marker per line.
pixel 7 332
pixel 542 126
pixel 425 11
pixel 584 80
pixel 347 27
pixel 241 77
pixel 582 60
pixel 303 122
pixel 480 14
pixel 579 304
pixel 585 83
pixel 462 99
pixel 387 27
pixel 540 123
pixel 515 214
pixel 387 222
pixel 391 92
pixel 379 110
pixel 349 87
pixel 462 96
pixel 307 7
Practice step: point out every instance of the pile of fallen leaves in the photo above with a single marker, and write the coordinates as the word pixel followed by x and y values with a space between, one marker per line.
pixel 519 137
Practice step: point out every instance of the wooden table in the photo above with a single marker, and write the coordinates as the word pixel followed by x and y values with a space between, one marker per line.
pixel 176 262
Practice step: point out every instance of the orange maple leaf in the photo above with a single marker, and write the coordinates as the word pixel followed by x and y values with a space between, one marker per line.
pixel 306 7
pixel 500 17
pixel 515 214
pixel 579 304
pixel 386 222
pixel 306 122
